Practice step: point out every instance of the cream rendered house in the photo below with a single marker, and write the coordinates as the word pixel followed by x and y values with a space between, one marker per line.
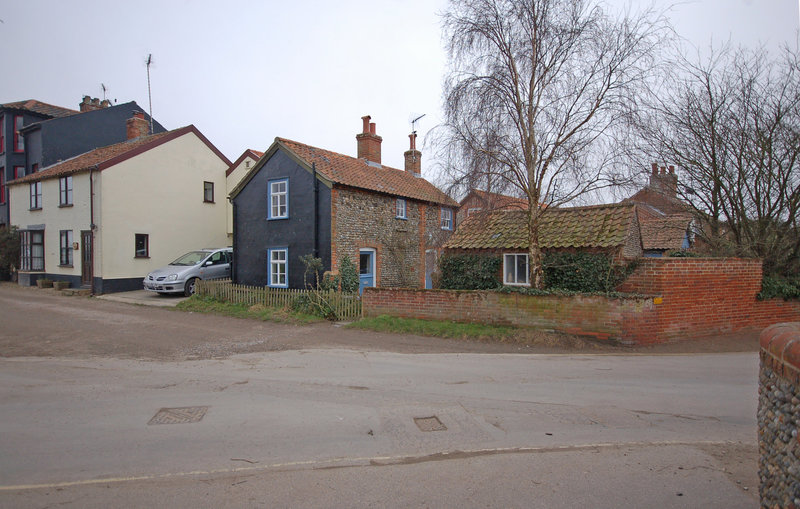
pixel 233 176
pixel 104 219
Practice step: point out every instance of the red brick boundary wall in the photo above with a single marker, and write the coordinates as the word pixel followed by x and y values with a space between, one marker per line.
pixel 677 298
pixel 705 297
pixel 779 415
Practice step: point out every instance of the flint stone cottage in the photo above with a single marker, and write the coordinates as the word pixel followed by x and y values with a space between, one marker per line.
pixel 300 200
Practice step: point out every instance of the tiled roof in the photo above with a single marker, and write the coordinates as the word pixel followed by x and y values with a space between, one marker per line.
pixel 253 154
pixel 598 226
pixel 352 172
pixel 101 157
pixel 663 203
pixel 39 107
pixel 495 201
pixel 665 233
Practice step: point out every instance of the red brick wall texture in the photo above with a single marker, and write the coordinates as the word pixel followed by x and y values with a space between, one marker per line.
pixel 676 299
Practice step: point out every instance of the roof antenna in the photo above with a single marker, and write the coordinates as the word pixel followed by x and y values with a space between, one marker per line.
pixel 102 85
pixel 413 130
pixel 149 96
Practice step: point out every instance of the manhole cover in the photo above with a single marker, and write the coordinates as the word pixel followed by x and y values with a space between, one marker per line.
pixel 429 424
pixel 179 415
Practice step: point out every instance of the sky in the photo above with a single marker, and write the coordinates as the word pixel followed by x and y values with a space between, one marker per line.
pixel 246 72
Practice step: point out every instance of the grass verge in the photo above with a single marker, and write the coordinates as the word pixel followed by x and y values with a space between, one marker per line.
pixel 436 328
pixel 258 312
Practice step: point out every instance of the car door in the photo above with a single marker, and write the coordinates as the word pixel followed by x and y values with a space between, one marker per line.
pixel 216 266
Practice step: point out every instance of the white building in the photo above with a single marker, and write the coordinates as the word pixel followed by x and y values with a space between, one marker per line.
pixel 104 219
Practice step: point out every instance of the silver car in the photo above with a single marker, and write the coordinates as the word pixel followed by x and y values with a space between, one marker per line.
pixel 180 275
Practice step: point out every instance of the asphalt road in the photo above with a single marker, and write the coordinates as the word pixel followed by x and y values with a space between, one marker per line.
pixel 356 427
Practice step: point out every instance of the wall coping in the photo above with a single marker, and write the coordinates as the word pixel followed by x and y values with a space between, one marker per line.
pixel 782 342
pixel 611 296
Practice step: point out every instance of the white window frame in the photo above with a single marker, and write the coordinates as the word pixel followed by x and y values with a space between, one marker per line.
pixel 36 195
pixel 65 191
pixel 278 199
pixel 400 209
pixel 278 265
pixel 447 219
pixel 512 258
pixel 65 258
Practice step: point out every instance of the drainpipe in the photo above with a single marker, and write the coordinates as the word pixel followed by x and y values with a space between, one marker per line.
pixel 316 209
pixel 92 226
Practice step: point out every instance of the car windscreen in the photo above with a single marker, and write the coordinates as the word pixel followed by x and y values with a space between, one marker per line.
pixel 190 258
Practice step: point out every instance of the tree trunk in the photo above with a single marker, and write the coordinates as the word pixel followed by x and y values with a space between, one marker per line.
pixel 535 276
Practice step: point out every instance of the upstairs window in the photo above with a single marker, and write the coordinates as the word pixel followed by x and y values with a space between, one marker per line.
pixel 65 191
pixel 515 269
pixel 400 209
pixel 279 199
pixel 142 245
pixel 208 192
pixel 19 172
pixel 65 248
pixel 2 133
pixel 447 219
pixel 19 141
pixel 35 167
pixel 36 195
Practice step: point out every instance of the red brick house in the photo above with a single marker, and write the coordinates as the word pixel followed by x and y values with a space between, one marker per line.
pixel 612 229
pixel 482 201
pixel 298 200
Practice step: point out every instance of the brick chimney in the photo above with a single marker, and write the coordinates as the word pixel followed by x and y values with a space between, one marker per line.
pixel 664 182
pixel 369 143
pixel 413 156
pixel 137 126
pixel 91 104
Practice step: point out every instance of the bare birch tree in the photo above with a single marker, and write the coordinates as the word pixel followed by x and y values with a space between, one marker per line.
pixel 731 124
pixel 535 90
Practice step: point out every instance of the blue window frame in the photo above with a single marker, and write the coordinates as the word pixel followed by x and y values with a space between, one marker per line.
pixel 278 268
pixel 278 207
pixel 447 219
pixel 400 209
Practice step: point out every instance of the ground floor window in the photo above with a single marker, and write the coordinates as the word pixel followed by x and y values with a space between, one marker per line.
pixel 32 250
pixel 65 247
pixel 142 245
pixel 515 269
pixel 277 267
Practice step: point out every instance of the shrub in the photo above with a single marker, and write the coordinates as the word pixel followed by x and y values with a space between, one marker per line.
pixel 9 251
pixel 773 287
pixel 348 275
pixel 583 272
pixel 469 272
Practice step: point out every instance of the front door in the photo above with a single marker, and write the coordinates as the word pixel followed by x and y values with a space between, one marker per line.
pixel 366 269
pixel 86 258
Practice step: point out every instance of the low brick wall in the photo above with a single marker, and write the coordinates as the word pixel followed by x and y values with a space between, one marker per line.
pixel 779 415
pixel 594 316
pixel 685 298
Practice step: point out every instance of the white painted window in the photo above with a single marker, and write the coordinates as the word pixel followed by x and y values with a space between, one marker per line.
pixel 279 199
pixel 515 269
pixel 400 209
pixel 277 267
pixel 447 219
pixel 65 191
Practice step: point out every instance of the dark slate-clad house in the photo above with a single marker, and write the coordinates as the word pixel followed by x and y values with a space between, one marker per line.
pixel 13 117
pixel 300 200
pixel 50 141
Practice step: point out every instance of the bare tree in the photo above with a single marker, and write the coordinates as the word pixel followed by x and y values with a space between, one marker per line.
pixel 536 89
pixel 731 123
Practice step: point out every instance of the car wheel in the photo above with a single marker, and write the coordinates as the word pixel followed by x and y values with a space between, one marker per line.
pixel 188 290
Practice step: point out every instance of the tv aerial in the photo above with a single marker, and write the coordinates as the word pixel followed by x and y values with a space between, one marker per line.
pixel 414 122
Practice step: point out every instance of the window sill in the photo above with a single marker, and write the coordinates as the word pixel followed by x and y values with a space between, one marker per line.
pixel 208 201
pixel 277 219
pixel 35 208
pixel 70 266
pixel 403 218
pixel 64 205
pixel 138 257
pixel 516 284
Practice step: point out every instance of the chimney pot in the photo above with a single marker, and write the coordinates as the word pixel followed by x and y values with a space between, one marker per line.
pixel 372 127
pixel 672 170
pixel 366 119
pixel 655 168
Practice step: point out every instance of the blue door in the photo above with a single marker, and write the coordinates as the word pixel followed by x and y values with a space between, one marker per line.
pixel 366 269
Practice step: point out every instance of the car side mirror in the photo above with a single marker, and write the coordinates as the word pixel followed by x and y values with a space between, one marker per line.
pixel 209 263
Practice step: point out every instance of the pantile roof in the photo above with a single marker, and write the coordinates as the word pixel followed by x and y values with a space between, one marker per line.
pixel 495 201
pixel 358 173
pixel 665 233
pixel 253 154
pixel 105 157
pixel 658 200
pixel 599 226
pixel 39 107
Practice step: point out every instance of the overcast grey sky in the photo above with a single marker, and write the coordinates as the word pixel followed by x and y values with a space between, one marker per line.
pixel 246 72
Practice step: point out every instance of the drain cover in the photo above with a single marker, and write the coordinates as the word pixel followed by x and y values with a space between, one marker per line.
pixel 179 415
pixel 429 423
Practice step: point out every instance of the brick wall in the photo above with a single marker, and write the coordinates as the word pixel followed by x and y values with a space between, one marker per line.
pixel 704 297
pixel 779 415
pixel 595 316
pixel 678 298
pixel 367 220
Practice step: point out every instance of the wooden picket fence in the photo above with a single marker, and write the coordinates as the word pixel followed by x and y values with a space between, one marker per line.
pixel 345 306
